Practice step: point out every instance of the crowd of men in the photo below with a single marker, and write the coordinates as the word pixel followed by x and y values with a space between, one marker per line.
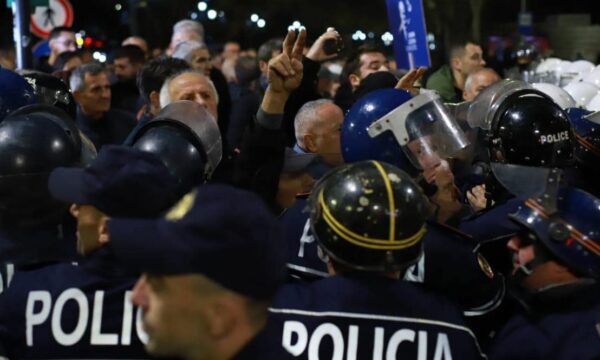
pixel 286 204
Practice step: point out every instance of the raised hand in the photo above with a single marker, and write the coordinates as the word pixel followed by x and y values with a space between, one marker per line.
pixel 285 70
pixel 317 51
pixel 407 82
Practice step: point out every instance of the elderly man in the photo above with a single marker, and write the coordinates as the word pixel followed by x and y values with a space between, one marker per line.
pixel 190 85
pixel 196 54
pixel 317 127
pixel 60 40
pixel 101 124
pixel 478 81
pixel 185 30
pixel 465 58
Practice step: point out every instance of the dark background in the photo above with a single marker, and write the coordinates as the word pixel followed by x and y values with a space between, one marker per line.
pixel 155 18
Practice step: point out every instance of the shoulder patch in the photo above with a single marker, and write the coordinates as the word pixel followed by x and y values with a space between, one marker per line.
pixel 182 207
pixel 485 266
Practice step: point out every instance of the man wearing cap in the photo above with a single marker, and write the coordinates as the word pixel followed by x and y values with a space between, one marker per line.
pixel 62 310
pixel 210 268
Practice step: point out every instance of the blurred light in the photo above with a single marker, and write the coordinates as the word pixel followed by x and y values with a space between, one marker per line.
pixel 79 41
pixel 87 41
pixel 202 6
pixel 261 23
pixel 194 15
pixel 430 37
pixel 254 18
pixel 359 35
pixel 221 14
pixel 212 14
pixel 296 24
pixel 432 46
pixel 387 38
pixel 99 56
pixel 118 7
pixel 371 35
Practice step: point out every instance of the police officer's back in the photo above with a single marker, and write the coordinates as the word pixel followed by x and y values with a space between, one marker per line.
pixel 63 310
pixel 369 218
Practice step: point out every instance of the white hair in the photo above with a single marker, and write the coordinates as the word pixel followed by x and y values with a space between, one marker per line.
pixel 189 26
pixel 307 117
pixel 165 98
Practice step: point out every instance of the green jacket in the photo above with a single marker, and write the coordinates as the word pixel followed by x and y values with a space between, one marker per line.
pixel 443 82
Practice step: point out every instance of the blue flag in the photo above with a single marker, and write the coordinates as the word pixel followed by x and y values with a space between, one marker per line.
pixel 407 25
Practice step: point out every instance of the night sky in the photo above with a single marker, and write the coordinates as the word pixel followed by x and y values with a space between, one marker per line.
pixel 101 20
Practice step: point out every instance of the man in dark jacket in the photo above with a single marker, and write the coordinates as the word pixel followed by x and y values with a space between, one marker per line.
pixel 101 124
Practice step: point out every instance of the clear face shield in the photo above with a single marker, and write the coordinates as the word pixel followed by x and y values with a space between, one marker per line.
pixel 203 126
pixel 425 130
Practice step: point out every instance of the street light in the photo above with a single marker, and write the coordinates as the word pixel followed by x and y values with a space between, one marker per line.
pixel 212 14
pixel 254 18
pixel 202 6
pixel 261 23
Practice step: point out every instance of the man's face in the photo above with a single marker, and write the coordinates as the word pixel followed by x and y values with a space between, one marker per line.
pixel 90 227
pixel 94 99
pixel 64 42
pixel 326 136
pixel 479 81
pixel 194 87
pixel 424 152
pixel 125 70
pixel 372 62
pixel 201 60
pixel 472 60
pixel 174 313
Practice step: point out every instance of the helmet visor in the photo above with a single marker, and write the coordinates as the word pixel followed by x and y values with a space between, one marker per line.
pixel 484 107
pixel 203 126
pixel 425 130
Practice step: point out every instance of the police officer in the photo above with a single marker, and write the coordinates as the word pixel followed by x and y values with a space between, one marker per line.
pixel 449 265
pixel 586 128
pixel 556 268
pixel 15 92
pixel 62 310
pixel 210 267
pixel 51 90
pixel 34 140
pixel 522 126
pixel 370 219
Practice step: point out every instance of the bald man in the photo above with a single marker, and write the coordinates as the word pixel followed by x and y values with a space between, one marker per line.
pixel 478 81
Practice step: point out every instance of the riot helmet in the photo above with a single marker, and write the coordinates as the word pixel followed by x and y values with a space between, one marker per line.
pixel 586 127
pixel 15 92
pixel 51 90
pixel 413 133
pixel 34 140
pixel 369 216
pixel 559 95
pixel 186 138
pixel 524 126
pixel 564 225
